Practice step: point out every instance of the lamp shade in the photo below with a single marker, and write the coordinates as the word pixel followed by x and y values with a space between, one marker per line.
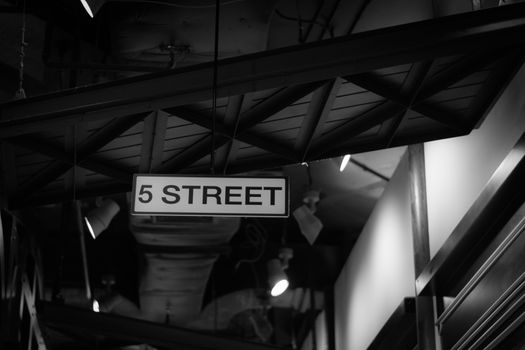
pixel 98 219
pixel 277 277
pixel 92 6
pixel 309 224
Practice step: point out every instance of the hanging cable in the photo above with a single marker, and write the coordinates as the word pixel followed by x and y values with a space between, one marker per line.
pixel 212 154
pixel 74 162
pixel 214 92
pixel 20 93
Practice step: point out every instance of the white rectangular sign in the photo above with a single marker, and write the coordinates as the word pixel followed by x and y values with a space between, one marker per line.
pixel 210 195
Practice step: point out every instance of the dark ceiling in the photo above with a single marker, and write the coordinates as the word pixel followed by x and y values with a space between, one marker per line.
pixel 131 91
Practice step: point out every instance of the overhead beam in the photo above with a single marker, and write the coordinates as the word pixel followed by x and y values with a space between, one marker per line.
pixel 318 110
pixel 248 119
pixel 137 331
pixel 190 155
pixel 412 84
pixel 449 118
pixel 374 83
pixel 246 136
pixel 276 103
pixel 148 138
pixel 457 71
pixel 459 34
pixel 341 135
pixel 499 78
pixel 231 119
pixel 84 149
pixel 98 166
pixel 405 95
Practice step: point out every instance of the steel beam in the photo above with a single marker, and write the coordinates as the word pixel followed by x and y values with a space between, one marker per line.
pixel 248 119
pixel 457 71
pixel 231 119
pixel 411 97
pixel 137 331
pixel 459 34
pixel 341 135
pixel 148 138
pixel 318 110
pixel 98 166
pixel 246 136
pixel 190 155
pixel 494 86
pixel 85 148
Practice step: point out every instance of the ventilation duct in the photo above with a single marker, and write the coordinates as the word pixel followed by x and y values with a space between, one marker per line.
pixel 178 256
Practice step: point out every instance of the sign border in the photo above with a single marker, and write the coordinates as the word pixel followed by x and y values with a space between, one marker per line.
pixel 287 197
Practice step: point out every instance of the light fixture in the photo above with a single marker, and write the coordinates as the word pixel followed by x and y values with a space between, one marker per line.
pixel 96 306
pixel 92 6
pixel 309 224
pixel 98 219
pixel 344 162
pixel 277 278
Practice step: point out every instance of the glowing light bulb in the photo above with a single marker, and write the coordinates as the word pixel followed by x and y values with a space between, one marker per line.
pixel 90 228
pixel 279 288
pixel 344 162
pixel 96 306
pixel 87 8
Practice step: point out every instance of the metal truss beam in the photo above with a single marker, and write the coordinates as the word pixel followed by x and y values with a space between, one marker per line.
pixel 357 53
pixel 246 136
pixel 248 120
pixel 98 166
pixel 85 148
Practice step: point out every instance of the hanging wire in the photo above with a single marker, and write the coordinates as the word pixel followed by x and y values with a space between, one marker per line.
pixel 212 154
pixel 20 93
pixel 214 97
pixel 74 162
pixel 256 238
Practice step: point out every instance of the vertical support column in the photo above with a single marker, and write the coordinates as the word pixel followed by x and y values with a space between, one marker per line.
pixel 329 309
pixel 424 304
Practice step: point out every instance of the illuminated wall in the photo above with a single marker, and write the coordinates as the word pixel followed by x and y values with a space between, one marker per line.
pixel 379 271
pixel 457 169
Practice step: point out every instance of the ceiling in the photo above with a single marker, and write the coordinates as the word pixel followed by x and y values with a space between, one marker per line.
pixel 298 85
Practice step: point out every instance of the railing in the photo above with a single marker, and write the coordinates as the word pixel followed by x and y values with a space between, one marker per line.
pixel 501 307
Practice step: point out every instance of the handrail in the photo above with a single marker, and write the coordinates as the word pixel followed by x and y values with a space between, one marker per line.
pixel 510 293
pixel 498 323
pixel 506 332
pixel 482 271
